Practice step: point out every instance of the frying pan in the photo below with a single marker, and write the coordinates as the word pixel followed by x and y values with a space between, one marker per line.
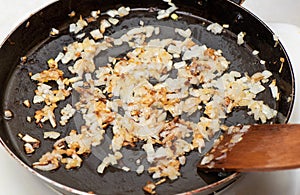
pixel 32 39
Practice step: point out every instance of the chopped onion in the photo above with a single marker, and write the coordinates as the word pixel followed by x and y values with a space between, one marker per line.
pixel 215 28
pixel 146 90
pixel 240 38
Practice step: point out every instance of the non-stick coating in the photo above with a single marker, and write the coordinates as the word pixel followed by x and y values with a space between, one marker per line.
pixel 32 39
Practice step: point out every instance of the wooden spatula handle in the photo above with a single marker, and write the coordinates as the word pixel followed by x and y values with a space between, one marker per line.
pixel 262 148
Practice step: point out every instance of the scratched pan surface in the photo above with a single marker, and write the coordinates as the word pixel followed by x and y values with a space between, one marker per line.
pixel 32 39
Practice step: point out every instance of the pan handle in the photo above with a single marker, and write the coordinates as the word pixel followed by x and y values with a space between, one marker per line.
pixel 238 1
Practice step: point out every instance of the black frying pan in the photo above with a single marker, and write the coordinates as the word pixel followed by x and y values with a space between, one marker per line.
pixel 32 39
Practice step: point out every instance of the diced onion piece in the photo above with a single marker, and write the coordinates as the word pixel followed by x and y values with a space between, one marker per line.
pixel 72 28
pixel 140 169
pixel 113 21
pixel 103 25
pixel 123 11
pixel 174 16
pixel 8 114
pixel 28 148
pixel 215 28
pixel 80 36
pixel 240 38
pixel 95 14
pixel 181 64
pixel 255 52
pixel 207 159
pixel 225 25
pixel 263 62
pixel 274 90
pixel 184 33
pixel 26 103
pixel 112 13
pixel 29 139
pixel 51 135
pixel 54 32
pixel 96 34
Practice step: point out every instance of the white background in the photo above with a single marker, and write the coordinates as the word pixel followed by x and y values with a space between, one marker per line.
pixel 282 16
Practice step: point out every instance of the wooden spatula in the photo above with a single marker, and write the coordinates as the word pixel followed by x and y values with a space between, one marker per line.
pixel 256 148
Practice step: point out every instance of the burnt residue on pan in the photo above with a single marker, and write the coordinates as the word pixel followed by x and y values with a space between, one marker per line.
pixel 32 40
